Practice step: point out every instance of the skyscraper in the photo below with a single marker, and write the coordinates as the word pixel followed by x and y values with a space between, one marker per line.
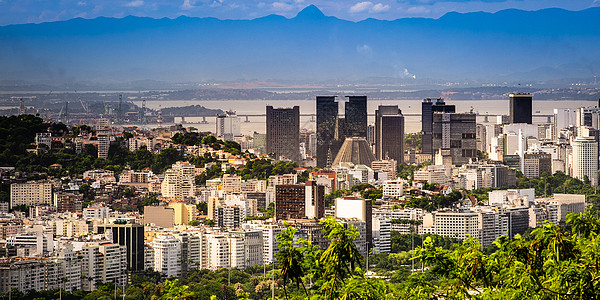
pixel 389 133
pixel 356 117
pixel 327 119
pixel 454 136
pixel 520 108
pixel 283 132
pixel 585 159
pixel 428 107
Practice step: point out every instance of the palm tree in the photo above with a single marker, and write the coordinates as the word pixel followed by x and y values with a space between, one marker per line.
pixel 340 257
pixel 290 258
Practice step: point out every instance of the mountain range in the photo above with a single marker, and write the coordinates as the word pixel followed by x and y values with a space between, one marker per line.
pixel 509 45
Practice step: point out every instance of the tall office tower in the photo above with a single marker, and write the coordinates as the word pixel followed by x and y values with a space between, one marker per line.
pixel 327 119
pixel 356 116
pixel 283 132
pixel 454 136
pixel 585 159
pixel 389 133
pixel 228 126
pixel 520 109
pixel 428 107
pixel 131 236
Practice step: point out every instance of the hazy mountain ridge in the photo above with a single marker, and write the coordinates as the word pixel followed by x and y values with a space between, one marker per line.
pixel 507 45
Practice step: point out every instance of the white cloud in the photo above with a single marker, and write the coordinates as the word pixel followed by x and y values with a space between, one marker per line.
pixel 365 49
pixel 135 3
pixel 377 8
pixel 369 6
pixel 361 6
pixel 281 6
pixel 417 10
pixel 80 3
pixel 187 4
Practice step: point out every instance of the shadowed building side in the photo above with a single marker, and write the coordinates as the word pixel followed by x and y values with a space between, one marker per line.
pixel 389 133
pixel 283 132
pixel 327 118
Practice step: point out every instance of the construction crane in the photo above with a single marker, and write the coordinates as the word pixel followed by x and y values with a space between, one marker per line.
pixel 85 108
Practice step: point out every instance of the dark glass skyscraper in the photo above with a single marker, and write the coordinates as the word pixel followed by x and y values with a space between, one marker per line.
pixel 283 132
pixel 131 236
pixel 356 117
pixel 428 107
pixel 389 133
pixel 520 110
pixel 327 119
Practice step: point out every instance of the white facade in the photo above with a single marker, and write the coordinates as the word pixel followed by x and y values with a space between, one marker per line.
pixel 217 246
pixel 585 159
pixel 179 181
pixel 103 261
pixel 167 255
pixel 96 212
pixel 228 126
pixel 382 230
pixel 394 188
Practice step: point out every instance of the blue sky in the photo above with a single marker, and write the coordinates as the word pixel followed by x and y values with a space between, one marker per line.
pixel 36 11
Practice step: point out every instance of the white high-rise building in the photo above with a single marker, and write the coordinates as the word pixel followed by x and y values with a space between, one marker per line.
pixel 103 261
pixel 237 253
pixel 585 159
pixel 382 229
pixel 167 255
pixel 217 248
pixel 271 245
pixel 228 126
pixel 103 142
pixel 453 224
pixel 179 181
pixel 253 246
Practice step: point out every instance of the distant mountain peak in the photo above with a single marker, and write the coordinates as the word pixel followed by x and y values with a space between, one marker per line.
pixel 310 12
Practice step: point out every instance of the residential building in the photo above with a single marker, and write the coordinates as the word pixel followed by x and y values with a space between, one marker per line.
pixel 179 182
pixel 30 193
pixel 183 213
pixel 103 261
pixel 358 208
pixel 167 255
pixel 160 216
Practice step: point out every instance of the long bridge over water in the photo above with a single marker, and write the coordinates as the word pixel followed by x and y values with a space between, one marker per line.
pixel 247 117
